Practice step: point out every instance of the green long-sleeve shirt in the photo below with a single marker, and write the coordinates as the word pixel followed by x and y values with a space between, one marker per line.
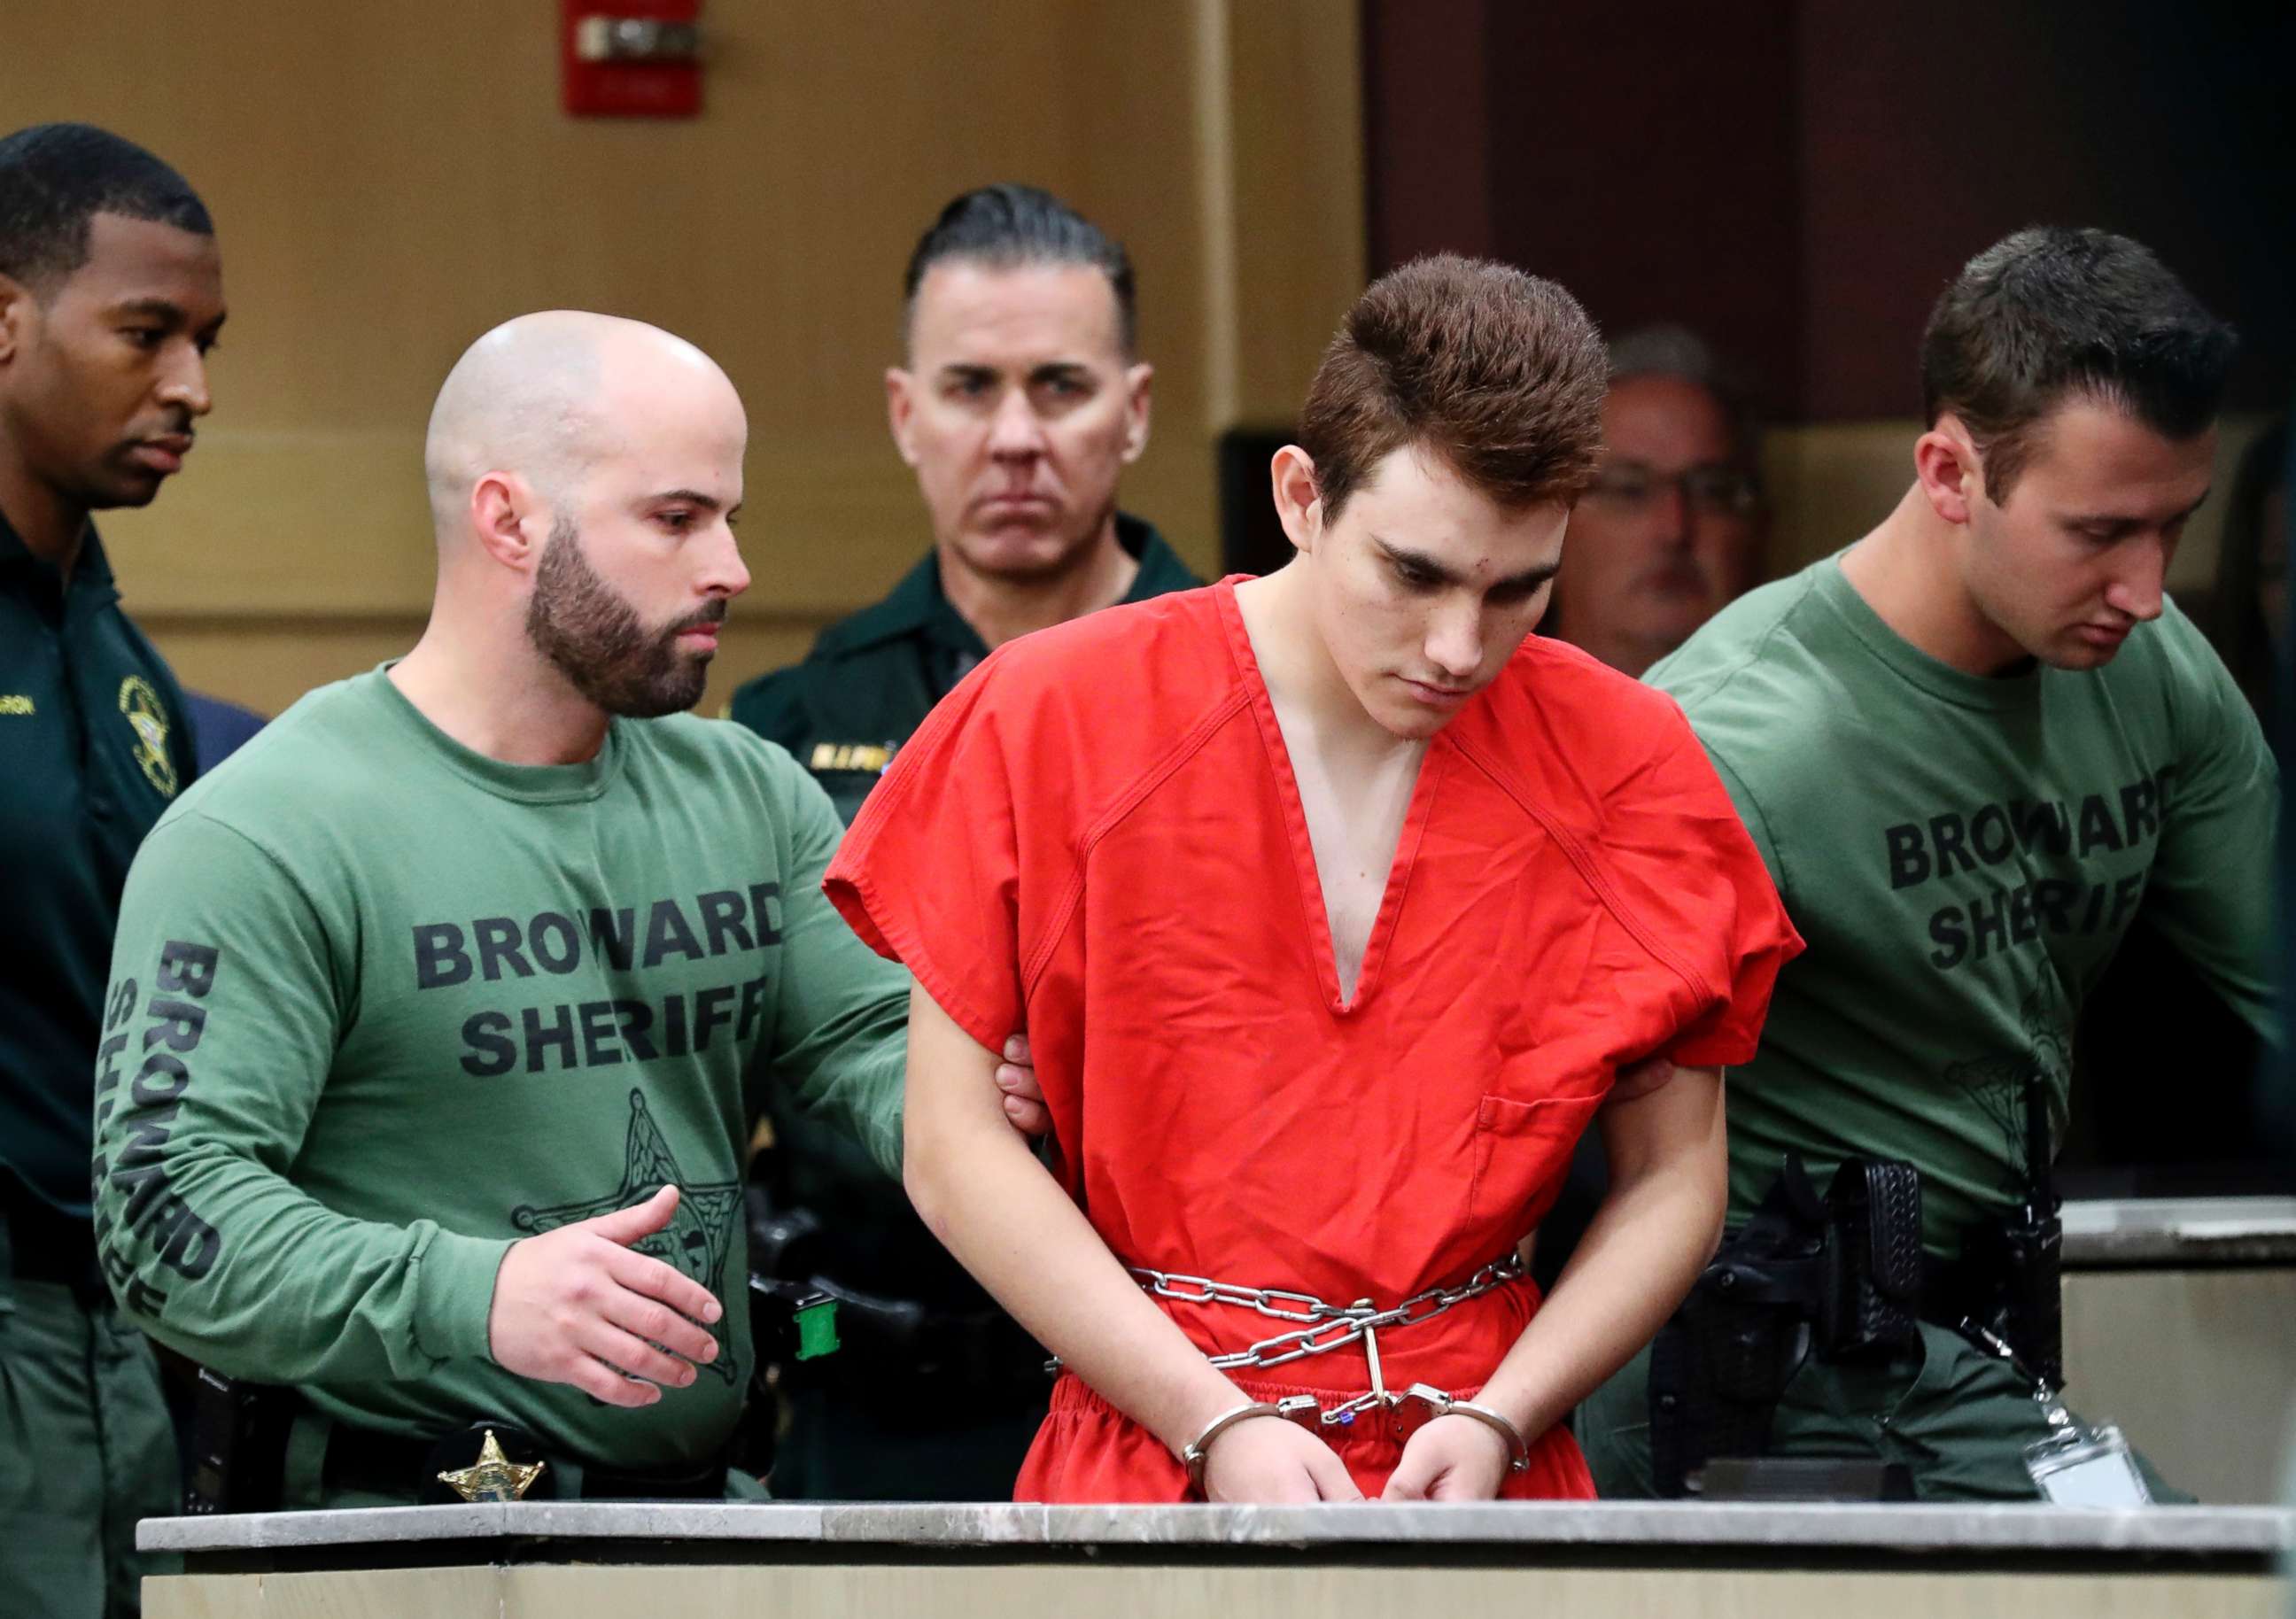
pixel 380 1006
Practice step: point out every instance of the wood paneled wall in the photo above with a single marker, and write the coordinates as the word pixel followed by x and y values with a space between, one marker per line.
pixel 1798 180
pixel 388 181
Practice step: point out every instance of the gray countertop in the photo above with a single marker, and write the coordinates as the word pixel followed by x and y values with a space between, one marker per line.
pixel 2172 1232
pixel 2164 1233
pixel 2170 1530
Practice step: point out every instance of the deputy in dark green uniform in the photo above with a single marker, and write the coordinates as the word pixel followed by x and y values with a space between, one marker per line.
pixel 110 293
pixel 871 679
pixel 1020 404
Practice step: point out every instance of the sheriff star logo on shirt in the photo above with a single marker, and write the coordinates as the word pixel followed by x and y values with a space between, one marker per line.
pixel 699 1235
pixel 140 703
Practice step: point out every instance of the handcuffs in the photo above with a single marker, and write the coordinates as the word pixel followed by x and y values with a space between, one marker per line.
pixel 1413 1409
pixel 1328 1328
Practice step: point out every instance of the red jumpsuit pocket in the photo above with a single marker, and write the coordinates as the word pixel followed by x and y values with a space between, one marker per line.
pixel 1522 1150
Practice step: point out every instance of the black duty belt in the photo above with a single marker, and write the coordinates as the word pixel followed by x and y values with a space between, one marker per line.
pixel 1838 1277
pixel 386 1463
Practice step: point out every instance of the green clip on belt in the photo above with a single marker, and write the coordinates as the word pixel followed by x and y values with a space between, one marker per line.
pixel 816 1330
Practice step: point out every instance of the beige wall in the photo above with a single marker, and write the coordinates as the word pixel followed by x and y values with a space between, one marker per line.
pixel 2194 1367
pixel 390 180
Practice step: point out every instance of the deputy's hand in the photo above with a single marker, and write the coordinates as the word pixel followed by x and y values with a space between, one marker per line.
pixel 1451 1458
pixel 1024 1098
pixel 575 1306
pixel 1267 1460
pixel 1639 1080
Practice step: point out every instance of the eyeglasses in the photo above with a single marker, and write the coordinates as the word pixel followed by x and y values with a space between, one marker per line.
pixel 1716 490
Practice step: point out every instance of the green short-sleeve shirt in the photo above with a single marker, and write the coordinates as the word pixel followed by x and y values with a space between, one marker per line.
pixel 1962 856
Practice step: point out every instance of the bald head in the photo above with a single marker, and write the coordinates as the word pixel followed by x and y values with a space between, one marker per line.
pixel 586 473
pixel 548 397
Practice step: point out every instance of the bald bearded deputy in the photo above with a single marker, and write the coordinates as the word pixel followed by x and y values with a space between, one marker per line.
pixel 437 1024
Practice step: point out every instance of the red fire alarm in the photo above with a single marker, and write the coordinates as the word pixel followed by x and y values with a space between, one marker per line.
pixel 631 58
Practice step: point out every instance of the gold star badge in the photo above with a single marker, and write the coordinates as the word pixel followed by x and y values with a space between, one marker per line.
pixel 494 1476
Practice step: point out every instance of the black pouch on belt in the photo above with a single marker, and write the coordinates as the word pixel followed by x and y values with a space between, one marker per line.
pixel 239 1443
pixel 1871 1298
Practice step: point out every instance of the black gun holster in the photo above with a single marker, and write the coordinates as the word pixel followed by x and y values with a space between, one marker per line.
pixel 1839 1277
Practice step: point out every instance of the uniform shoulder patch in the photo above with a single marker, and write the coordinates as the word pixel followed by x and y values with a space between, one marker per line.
pixel 147 717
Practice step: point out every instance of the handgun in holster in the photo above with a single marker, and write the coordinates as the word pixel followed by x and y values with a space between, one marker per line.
pixel 1838 1276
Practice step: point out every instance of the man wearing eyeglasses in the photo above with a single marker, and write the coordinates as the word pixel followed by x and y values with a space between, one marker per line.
pixel 1672 529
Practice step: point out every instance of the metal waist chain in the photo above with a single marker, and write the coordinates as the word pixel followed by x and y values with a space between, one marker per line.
pixel 1331 1326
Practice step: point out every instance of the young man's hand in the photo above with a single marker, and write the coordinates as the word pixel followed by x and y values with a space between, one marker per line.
pixel 576 1305
pixel 1268 1461
pixel 1024 1098
pixel 1452 1459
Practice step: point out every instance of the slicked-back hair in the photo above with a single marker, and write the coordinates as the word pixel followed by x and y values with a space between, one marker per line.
pixel 1497 372
pixel 54 178
pixel 1007 226
pixel 2053 314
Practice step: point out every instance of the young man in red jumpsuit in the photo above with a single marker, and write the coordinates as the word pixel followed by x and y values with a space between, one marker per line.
pixel 1334 904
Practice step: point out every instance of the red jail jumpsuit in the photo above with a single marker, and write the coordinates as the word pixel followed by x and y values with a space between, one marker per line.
pixel 1097 836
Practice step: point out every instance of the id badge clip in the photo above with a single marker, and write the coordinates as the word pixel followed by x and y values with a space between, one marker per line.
pixel 2080 1466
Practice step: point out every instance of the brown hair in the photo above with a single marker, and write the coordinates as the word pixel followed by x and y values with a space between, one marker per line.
pixel 1499 374
pixel 2054 313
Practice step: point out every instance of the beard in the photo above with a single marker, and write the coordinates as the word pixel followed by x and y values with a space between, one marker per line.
pixel 594 637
